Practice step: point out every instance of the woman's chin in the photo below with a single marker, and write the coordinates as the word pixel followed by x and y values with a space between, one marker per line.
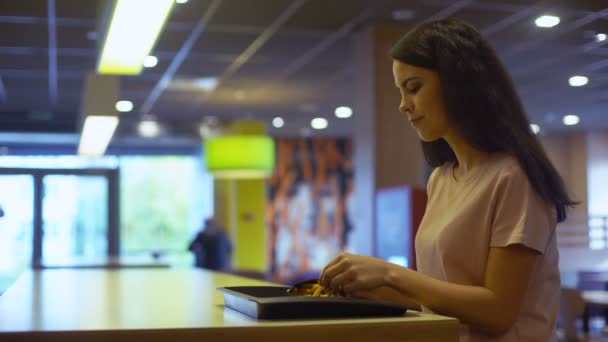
pixel 426 138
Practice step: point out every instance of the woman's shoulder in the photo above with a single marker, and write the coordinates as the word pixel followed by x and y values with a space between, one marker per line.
pixel 498 167
pixel 441 171
pixel 506 172
pixel 506 165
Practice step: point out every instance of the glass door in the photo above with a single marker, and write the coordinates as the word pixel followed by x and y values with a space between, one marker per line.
pixel 57 217
pixel 16 226
pixel 75 219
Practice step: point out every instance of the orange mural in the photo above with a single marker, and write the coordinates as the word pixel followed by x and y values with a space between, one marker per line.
pixel 310 206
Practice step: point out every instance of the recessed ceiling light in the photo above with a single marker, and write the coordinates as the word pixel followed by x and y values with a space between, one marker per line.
pixel 547 21
pixel 278 122
pixel 148 128
pixel 535 128
pixel 150 61
pixel 181 1
pixel 124 106
pixel 318 123
pixel 344 112
pixel 578 81
pixel 571 119
pixel 600 37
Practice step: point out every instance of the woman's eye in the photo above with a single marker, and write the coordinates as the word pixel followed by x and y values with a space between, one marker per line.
pixel 413 90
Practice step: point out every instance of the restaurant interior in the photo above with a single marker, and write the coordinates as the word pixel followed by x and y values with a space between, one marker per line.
pixel 128 128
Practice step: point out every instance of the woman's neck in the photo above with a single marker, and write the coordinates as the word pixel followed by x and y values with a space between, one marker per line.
pixel 468 156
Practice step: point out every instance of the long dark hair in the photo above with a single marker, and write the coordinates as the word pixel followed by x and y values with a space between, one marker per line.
pixel 481 102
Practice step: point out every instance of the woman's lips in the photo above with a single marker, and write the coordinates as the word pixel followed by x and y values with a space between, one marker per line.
pixel 415 121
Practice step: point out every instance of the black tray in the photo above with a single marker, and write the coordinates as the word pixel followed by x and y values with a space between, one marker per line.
pixel 273 302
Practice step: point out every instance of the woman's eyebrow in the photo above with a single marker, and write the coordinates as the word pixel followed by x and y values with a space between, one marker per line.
pixel 405 81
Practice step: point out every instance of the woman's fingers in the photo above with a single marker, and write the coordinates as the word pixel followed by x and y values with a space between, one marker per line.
pixel 323 279
pixel 333 271
pixel 354 285
pixel 340 281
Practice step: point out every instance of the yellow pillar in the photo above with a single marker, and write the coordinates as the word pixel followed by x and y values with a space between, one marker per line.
pixel 251 235
pixel 240 206
pixel 223 206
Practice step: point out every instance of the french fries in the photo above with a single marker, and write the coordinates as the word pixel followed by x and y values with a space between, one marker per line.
pixel 314 290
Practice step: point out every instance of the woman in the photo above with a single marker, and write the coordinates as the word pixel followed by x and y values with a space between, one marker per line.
pixel 486 249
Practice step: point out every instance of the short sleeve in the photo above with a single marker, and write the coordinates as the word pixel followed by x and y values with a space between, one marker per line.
pixel 521 216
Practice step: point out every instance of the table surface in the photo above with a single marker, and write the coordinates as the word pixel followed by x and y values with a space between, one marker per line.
pixel 148 299
pixel 105 262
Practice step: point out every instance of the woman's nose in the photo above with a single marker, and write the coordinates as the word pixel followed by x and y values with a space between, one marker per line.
pixel 405 106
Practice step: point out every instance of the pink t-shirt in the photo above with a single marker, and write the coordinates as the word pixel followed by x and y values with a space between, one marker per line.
pixel 494 205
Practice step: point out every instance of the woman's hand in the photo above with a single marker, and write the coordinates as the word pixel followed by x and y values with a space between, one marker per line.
pixel 350 272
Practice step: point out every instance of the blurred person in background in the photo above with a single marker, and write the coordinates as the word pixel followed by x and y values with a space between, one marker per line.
pixel 212 247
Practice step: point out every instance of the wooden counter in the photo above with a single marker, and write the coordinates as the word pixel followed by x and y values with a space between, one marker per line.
pixel 174 305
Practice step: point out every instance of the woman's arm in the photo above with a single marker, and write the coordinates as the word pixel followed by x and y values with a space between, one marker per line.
pixel 388 294
pixel 492 307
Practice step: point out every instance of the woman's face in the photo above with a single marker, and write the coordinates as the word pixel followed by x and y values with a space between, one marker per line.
pixel 421 100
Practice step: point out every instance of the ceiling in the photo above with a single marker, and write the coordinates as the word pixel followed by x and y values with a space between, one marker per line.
pixel 289 58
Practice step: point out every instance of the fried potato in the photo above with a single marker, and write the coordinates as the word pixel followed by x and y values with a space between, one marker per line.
pixel 314 290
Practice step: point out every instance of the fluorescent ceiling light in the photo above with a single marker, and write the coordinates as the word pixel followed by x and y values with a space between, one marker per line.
pixel 134 28
pixel 181 1
pixel 278 122
pixel 578 81
pixel 206 83
pixel 124 106
pixel 535 128
pixel 148 128
pixel 571 119
pixel 547 21
pixel 344 112
pixel 600 37
pixel 150 61
pixel 318 123
pixel 96 135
